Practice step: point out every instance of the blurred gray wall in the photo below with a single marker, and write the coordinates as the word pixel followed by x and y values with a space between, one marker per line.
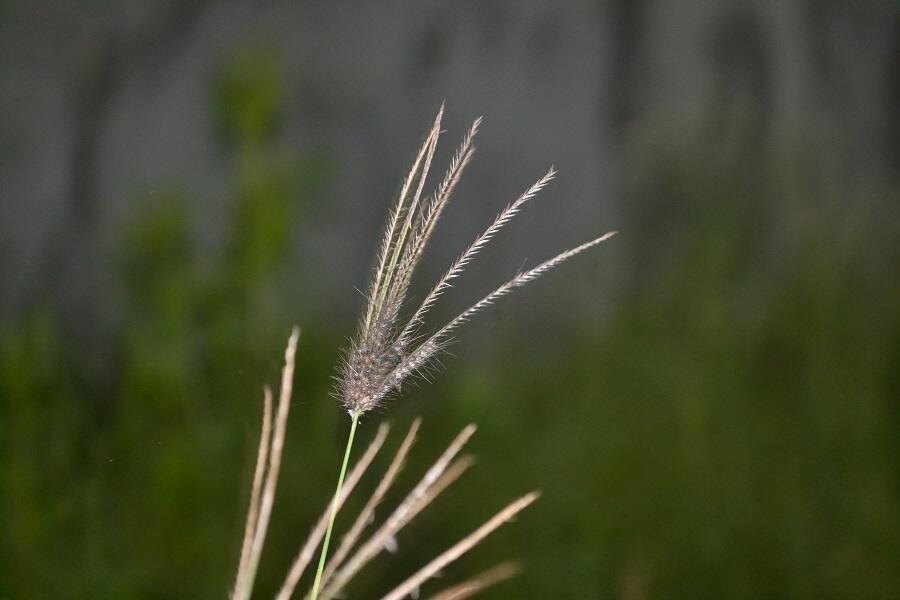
pixel 101 103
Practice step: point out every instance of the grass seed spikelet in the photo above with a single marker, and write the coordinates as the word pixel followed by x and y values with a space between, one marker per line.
pixel 388 349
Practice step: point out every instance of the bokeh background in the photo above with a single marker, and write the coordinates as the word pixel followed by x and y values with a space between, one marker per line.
pixel 710 402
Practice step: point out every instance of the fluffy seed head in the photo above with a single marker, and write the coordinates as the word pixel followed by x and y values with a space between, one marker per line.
pixel 386 350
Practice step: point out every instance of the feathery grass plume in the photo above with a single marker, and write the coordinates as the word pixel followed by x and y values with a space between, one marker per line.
pixel 385 351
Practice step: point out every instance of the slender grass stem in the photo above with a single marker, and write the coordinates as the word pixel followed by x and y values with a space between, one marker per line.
pixel 334 507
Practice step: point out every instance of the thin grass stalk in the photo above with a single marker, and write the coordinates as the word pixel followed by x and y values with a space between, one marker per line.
pixel 308 550
pixel 436 479
pixel 431 569
pixel 386 539
pixel 334 508
pixel 367 514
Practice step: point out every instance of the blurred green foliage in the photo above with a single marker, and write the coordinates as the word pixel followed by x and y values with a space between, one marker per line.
pixel 731 430
pixel 248 96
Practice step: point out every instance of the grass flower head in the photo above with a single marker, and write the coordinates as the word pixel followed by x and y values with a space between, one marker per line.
pixel 387 349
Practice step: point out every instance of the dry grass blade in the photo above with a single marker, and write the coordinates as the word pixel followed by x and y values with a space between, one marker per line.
pixel 482 581
pixel 447 478
pixel 247 570
pixel 262 455
pixel 431 569
pixel 434 481
pixel 441 463
pixel 315 536
pixel 368 512
pixel 385 538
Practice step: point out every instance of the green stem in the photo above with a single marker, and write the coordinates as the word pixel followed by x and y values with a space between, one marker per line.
pixel 334 508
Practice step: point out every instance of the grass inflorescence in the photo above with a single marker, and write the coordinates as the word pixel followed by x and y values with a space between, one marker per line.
pixel 389 347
